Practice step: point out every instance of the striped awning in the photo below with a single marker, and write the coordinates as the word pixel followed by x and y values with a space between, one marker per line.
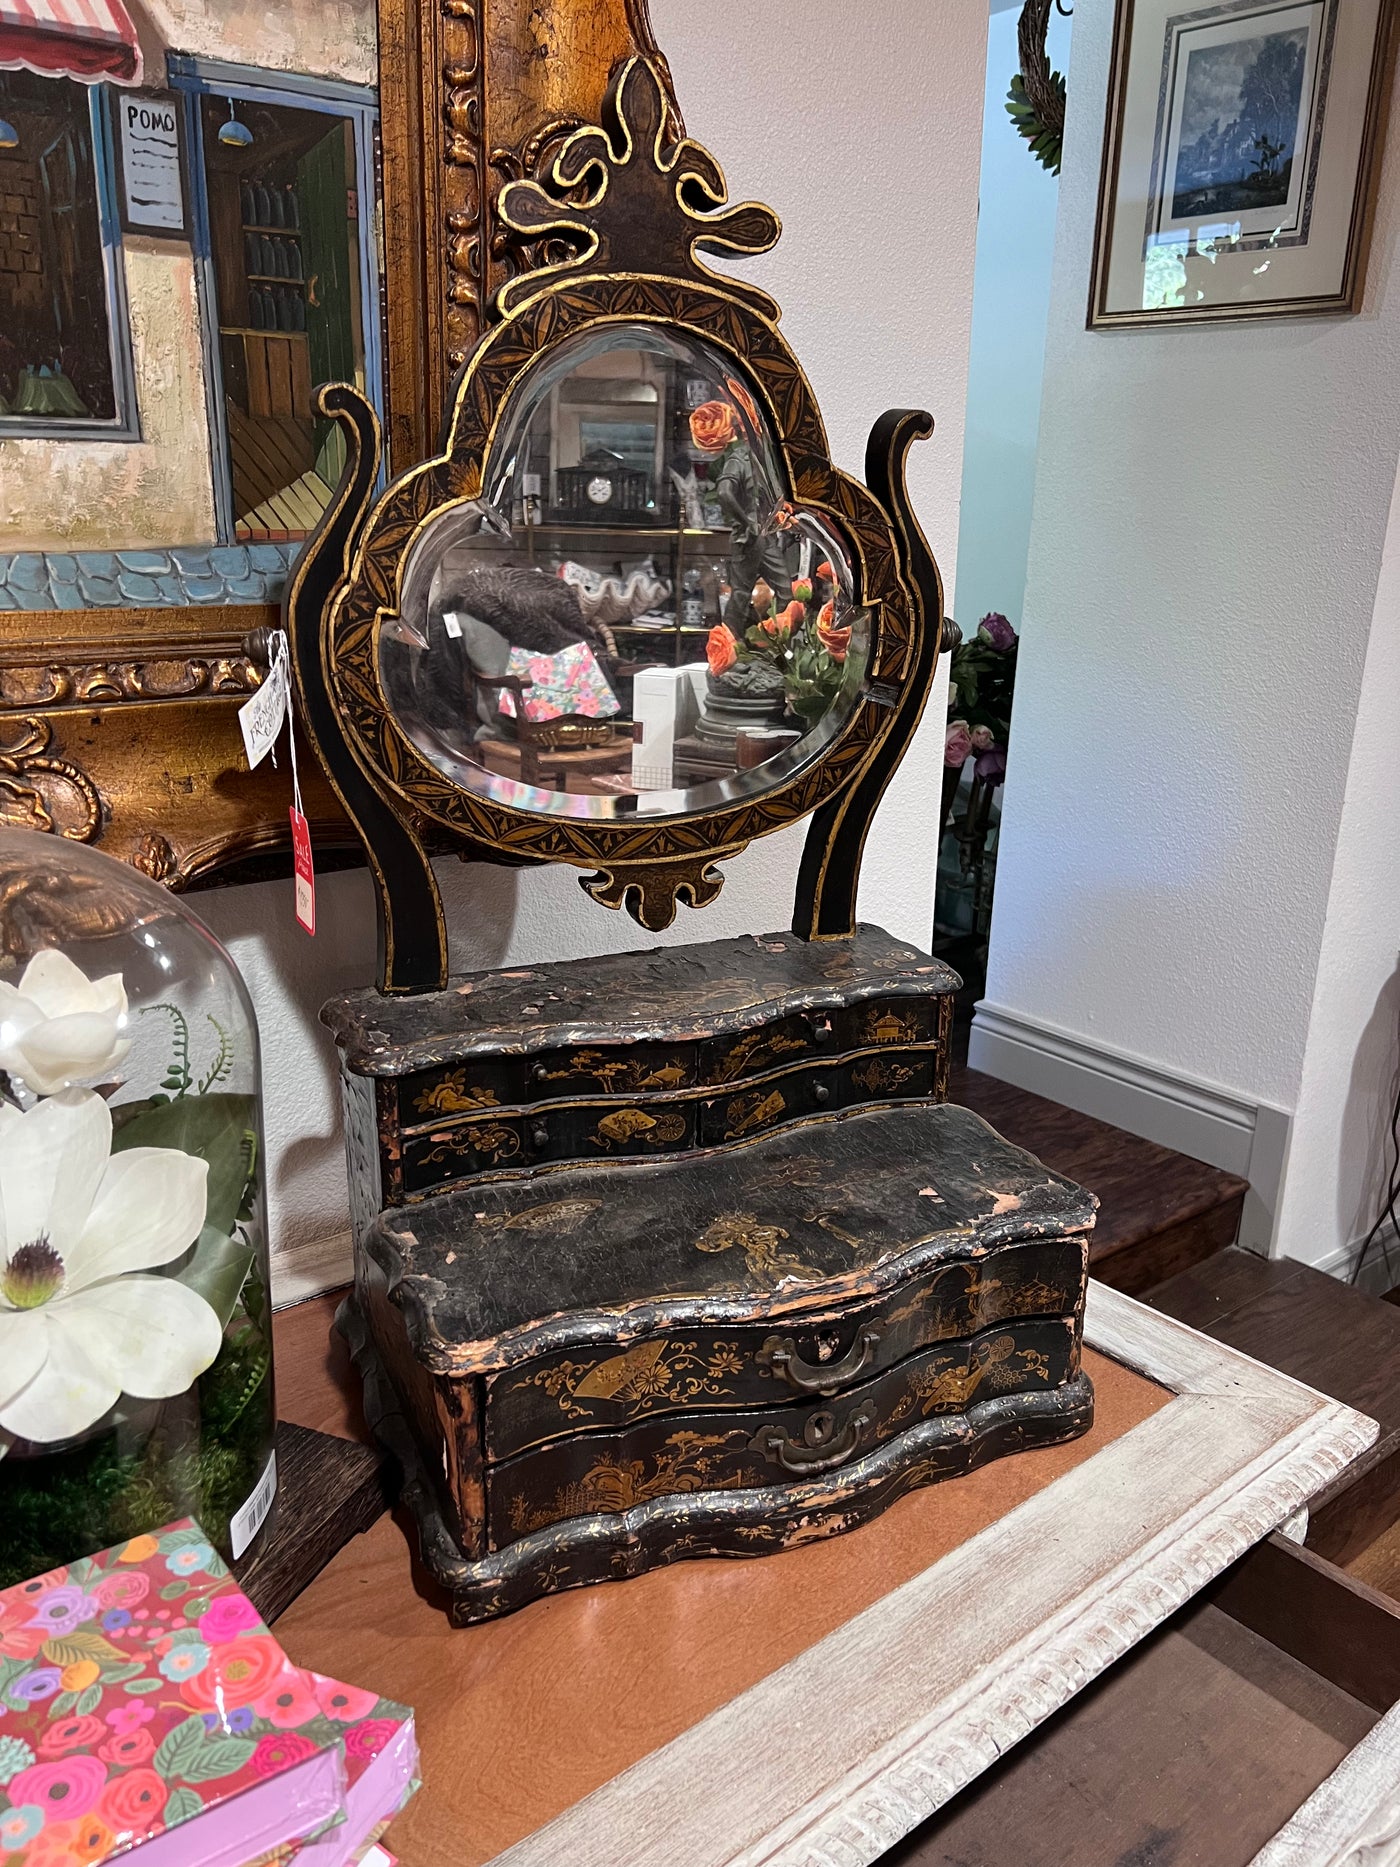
pixel 84 39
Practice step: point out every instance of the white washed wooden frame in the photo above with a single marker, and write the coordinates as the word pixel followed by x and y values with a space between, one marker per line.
pixel 1353 1820
pixel 836 1756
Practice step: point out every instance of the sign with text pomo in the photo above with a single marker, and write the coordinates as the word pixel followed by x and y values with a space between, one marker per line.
pixel 153 191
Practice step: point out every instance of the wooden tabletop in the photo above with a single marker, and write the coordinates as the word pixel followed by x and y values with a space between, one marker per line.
pixel 521 1718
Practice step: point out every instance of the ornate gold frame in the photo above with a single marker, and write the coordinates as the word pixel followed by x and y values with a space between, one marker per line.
pixel 617 219
pixel 119 727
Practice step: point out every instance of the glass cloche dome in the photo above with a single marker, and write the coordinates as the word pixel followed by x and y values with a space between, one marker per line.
pixel 135 1318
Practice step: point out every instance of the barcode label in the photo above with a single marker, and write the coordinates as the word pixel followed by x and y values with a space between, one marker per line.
pixel 245 1522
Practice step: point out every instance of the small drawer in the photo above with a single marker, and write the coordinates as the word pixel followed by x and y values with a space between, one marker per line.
pixel 593 1473
pixel 765 1363
pixel 489 1082
pixel 733 1059
pixel 884 1024
pixel 534 1137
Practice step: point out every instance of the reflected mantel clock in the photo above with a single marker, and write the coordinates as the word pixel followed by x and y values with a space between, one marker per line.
pixel 678 1253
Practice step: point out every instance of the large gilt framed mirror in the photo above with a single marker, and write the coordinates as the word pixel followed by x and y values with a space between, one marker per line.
pixel 630 616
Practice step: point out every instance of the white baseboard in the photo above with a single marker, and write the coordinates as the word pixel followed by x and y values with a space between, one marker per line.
pixel 310 1269
pixel 1381 1271
pixel 1186 1114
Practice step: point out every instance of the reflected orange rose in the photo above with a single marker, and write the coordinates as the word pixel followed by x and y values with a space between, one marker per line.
pixel 712 427
pixel 721 650
pixel 825 572
pixel 743 398
pixel 835 641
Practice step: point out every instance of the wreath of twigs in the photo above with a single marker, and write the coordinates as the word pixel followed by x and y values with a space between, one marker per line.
pixel 1036 101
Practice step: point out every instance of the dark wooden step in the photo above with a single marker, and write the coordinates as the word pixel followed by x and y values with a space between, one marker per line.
pixel 1159 1212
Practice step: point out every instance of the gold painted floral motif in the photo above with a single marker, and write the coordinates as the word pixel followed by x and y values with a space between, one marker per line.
pixel 760 1244
pixel 560 1216
pixel 625 1074
pixel 645 1377
pixel 628 1125
pixel 882 1076
pixel 755 1050
pixel 686 1462
pixel 492 1141
pixel 452 1096
pixel 952 1383
pixel 745 1113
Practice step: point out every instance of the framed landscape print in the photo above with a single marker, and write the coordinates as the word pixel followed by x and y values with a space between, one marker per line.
pixel 1240 161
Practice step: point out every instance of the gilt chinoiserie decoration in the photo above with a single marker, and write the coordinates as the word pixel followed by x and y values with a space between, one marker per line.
pixel 454 691
pixel 673 1253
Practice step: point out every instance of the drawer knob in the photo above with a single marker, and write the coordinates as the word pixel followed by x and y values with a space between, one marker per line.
pixel 539 1137
pixel 821 1094
pixel 540 1073
pixel 780 1357
pixel 821 1446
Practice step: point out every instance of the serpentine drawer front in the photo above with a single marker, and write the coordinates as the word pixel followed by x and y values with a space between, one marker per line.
pixel 614 1127
pixel 763 1364
pixel 605 1366
pixel 613 1472
pixel 630 1055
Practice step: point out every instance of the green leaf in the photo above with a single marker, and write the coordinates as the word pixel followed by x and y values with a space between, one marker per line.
pixel 217 1128
pixel 221 1757
pixel 172 1591
pixel 181 1747
pixel 61 1706
pixel 88 1700
pixel 218 1271
pixel 180 1805
pixel 143 1685
pixel 196 1607
pixel 82 1644
pixel 114 1675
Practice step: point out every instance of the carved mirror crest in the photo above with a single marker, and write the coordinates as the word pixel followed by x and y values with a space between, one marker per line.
pixel 630 617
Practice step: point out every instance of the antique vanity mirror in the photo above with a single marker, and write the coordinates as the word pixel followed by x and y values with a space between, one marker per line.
pixel 675 1253
pixel 509 648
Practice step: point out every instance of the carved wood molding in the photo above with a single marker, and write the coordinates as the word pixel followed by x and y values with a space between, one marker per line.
pixel 139 706
pixel 451 140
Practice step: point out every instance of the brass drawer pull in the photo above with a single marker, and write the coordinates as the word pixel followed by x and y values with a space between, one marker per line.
pixel 780 1357
pixel 819 1447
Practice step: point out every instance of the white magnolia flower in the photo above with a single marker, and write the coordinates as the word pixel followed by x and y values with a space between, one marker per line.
pixel 58 1027
pixel 79 1323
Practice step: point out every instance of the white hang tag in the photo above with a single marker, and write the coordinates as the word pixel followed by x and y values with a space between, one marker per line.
pixel 452 622
pixel 263 717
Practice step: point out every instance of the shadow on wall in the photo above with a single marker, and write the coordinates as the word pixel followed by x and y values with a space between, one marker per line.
pixel 1365 1141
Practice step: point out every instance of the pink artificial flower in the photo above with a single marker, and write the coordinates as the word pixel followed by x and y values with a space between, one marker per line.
pixel 983 739
pixel 991 766
pixel 65 1734
pixel 957 744
pixel 369 1738
pixel 129 1717
pixel 122 1588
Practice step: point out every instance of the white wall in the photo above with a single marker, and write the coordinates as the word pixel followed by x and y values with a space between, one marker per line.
pixel 870 154
pixel 1210 508
pixel 1010 309
pixel 1339 1155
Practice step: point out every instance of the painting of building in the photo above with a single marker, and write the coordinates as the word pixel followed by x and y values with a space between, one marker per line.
pixel 188 246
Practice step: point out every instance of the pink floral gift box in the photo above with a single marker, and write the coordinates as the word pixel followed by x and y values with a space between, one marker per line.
pixel 140 1693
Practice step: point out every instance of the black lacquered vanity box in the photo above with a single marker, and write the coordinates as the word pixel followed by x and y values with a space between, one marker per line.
pixel 751 1281
pixel 630 1056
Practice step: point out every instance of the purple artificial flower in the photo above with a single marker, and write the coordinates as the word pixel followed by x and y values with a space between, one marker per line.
pixel 991 766
pixel 996 632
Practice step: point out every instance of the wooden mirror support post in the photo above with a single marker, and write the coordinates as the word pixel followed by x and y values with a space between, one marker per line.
pixel 677 1253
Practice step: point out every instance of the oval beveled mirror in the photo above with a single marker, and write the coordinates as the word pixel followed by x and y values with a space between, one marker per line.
pixel 633 620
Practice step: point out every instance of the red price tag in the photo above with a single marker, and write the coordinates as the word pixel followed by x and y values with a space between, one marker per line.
pixel 305 874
